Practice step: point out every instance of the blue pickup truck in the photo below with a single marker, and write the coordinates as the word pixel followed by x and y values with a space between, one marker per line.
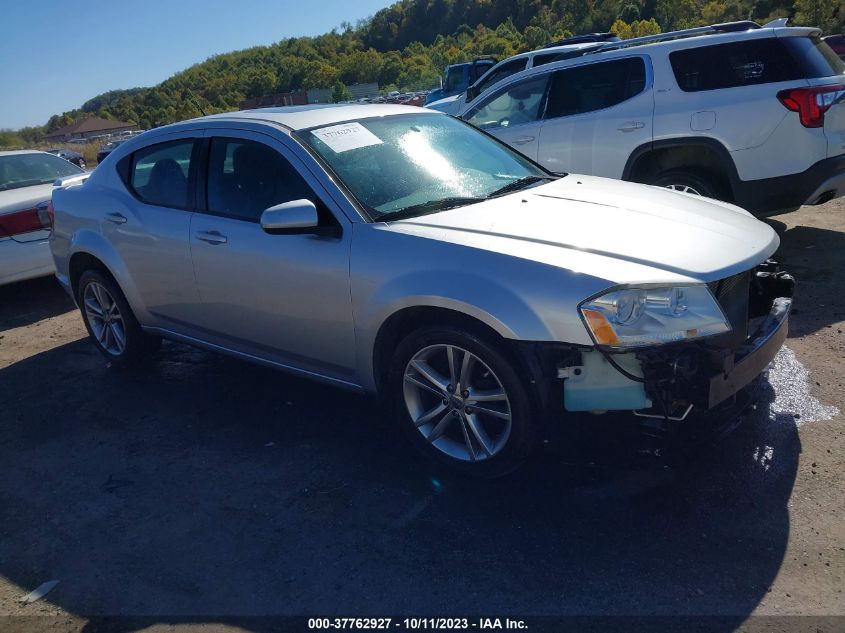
pixel 459 77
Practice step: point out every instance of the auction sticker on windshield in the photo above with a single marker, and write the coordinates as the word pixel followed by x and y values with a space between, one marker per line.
pixel 346 136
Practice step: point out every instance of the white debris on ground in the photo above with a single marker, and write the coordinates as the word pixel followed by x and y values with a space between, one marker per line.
pixel 41 591
pixel 790 381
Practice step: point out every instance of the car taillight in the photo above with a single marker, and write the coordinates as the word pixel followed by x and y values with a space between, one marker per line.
pixel 23 221
pixel 811 103
pixel 48 216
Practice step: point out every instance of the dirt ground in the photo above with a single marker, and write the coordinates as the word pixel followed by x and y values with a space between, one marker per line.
pixel 201 489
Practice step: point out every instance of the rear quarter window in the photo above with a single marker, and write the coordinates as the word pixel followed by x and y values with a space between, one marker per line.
pixel 816 57
pixel 735 64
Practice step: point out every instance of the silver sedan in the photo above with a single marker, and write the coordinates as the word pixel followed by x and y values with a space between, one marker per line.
pixel 401 252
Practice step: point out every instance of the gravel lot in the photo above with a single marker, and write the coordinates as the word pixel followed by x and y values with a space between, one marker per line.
pixel 202 488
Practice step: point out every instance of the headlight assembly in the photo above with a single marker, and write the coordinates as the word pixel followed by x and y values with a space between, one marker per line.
pixel 638 317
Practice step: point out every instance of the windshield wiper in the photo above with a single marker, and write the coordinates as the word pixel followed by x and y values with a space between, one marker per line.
pixel 520 183
pixel 432 206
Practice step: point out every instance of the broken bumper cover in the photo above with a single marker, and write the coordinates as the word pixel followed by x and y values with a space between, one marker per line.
pixel 709 373
pixel 753 358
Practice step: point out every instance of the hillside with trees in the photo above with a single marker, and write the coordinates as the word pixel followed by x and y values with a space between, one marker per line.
pixel 406 45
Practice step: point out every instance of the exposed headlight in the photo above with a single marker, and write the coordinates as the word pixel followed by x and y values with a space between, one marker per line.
pixel 636 317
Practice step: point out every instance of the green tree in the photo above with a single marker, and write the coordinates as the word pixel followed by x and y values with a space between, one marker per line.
pixel 820 13
pixel 641 28
pixel 713 12
pixel 10 138
pixel 535 37
pixel 340 92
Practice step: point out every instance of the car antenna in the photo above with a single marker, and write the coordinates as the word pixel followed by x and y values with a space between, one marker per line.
pixel 189 96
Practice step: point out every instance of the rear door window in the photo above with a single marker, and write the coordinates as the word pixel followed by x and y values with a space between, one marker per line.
pixel 736 64
pixel 595 86
pixel 160 174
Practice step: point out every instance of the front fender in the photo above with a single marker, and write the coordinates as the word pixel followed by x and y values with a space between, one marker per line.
pixel 519 298
pixel 468 293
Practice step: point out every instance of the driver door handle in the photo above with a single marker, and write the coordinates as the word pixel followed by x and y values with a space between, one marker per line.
pixel 117 218
pixel 522 140
pixel 630 126
pixel 211 237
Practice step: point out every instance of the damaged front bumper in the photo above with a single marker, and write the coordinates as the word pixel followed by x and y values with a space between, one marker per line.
pixel 753 358
pixel 669 382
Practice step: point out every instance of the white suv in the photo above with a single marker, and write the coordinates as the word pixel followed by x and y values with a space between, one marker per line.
pixel 506 68
pixel 747 114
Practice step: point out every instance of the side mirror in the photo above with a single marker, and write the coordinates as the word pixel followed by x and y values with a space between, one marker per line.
pixel 472 93
pixel 296 216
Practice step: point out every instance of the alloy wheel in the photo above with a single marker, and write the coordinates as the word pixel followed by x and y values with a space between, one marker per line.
pixel 684 189
pixel 104 317
pixel 457 402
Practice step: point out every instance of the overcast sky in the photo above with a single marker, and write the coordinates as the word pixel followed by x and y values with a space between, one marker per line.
pixel 56 55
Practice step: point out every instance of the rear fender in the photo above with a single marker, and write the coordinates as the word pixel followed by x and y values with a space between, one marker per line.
pixel 92 243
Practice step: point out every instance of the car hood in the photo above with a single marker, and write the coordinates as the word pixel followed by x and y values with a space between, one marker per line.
pixel 622 232
pixel 446 101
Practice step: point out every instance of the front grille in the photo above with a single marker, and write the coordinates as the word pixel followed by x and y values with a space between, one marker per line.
pixel 732 293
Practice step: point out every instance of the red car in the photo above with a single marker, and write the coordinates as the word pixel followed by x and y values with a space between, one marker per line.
pixel 416 100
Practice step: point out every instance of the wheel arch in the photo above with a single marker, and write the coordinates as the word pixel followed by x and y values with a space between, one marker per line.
pixel 81 261
pixel 405 320
pixel 90 250
pixel 685 152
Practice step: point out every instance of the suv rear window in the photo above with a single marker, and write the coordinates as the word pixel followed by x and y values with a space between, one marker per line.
pixel 752 62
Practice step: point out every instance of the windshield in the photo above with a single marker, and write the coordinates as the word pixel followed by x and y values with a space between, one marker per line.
pixel 112 145
pixel 27 170
pixel 403 165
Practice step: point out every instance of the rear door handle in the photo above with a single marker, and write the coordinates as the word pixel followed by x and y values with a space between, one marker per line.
pixel 117 218
pixel 630 126
pixel 212 237
pixel 522 140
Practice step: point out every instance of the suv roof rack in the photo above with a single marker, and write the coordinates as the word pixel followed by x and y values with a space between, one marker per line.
pixel 584 38
pixel 726 27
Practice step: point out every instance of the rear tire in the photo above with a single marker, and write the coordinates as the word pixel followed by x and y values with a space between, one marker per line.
pixel 689 181
pixel 476 419
pixel 110 321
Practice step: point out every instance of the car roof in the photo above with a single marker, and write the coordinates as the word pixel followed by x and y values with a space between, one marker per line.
pixel 307 116
pixel 552 50
pixel 18 152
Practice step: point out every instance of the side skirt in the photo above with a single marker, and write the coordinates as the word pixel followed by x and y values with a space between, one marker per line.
pixel 297 371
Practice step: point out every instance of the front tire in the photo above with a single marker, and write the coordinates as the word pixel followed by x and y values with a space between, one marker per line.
pixel 461 402
pixel 110 321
